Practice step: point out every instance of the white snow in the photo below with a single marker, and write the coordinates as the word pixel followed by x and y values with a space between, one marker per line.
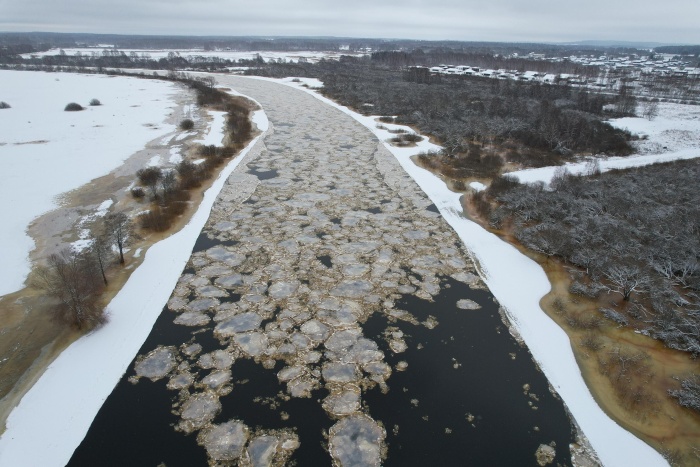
pixel 519 283
pixel 60 407
pixel 673 135
pixel 184 135
pixel 477 186
pixel 175 156
pixel 103 207
pixel 313 83
pixel 153 161
pixel 216 131
pixel 41 145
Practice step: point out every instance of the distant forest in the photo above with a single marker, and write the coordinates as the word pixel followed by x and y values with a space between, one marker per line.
pixel 41 41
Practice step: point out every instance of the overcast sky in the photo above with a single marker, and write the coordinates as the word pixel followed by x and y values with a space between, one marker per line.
pixel 666 21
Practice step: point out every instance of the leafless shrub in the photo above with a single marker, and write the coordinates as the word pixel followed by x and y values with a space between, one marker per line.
pixel 137 192
pixel 95 102
pixel 629 374
pixel 74 281
pixel 186 124
pixel 591 342
pixel 4 105
pixel 73 107
pixel 150 177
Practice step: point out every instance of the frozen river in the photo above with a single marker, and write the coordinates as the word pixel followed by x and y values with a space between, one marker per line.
pixel 327 312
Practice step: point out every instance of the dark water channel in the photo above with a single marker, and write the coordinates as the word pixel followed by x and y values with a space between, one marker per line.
pixel 461 400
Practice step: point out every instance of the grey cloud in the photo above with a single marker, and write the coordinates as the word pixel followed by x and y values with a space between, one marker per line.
pixel 496 20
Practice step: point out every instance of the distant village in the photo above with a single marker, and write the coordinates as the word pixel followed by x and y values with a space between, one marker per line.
pixel 636 72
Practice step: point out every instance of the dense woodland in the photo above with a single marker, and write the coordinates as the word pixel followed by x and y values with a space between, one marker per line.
pixel 632 233
pixel 481 122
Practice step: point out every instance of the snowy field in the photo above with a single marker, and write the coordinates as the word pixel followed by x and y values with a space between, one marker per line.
pixel 673 135
pixel 519 283
pixel 60 407
pixel 46 151
pixel 154 54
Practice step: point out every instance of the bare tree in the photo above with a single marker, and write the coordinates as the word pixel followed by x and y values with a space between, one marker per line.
pixel 626 279
pixel 119 229
pixel 72 279
pixel 101 251
pixel 168 182
pixel 650 109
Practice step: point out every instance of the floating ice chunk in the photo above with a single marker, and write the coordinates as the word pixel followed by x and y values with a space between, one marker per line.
pixel 300 341
pixel 355 269
pixel 466 304
pixel 177 303
pixel 211 291
pixel 315 330
pixel 363 351
pixel 192 318
pixel 230 282
pixel 428 262
pixel 398 345
pixel 280 290
pixel 198 410
pixel 361 248
pixel 416 234
pixel 220 253
pixel 203 304
pixel 312 196
pixel 466 277
pixel 261 450
pixel 224 442
pixel 288 373
pixel 252 343
pixel 352 289
pixel 356 440
pixel 342 340
pixel 216 379
pixel 191 350
pixel 456 263
pixel 302 387
pixel 335 372
pixel 219 359
pixel 239 323
pixel 157 363
pixel 312 357
pixel 343 403
pixel 214 270
pixel 225 226
pixel 378 369
pixel 180 381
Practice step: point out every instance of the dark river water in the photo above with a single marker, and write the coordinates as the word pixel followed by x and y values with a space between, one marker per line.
pixel 434 414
